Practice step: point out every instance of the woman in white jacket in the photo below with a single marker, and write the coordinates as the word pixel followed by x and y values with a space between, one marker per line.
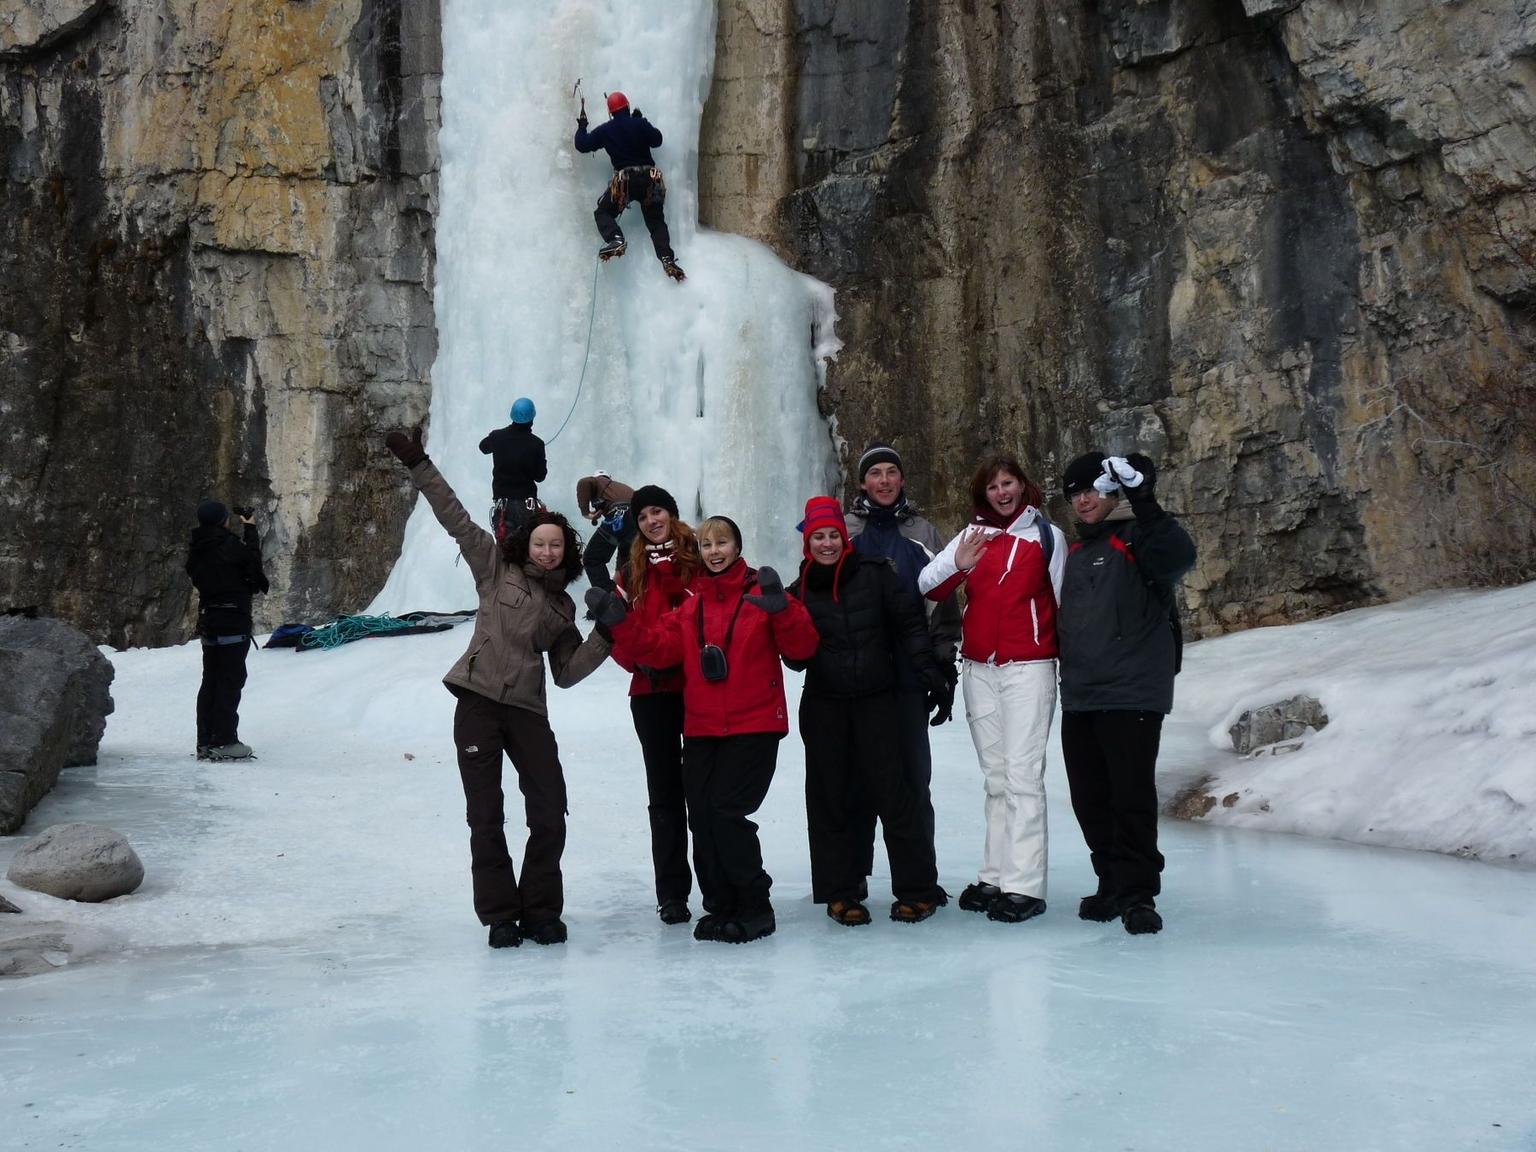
pixel 1010 560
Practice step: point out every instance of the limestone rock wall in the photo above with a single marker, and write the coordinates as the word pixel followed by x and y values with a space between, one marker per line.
pixel 216 261
pixel 1288 247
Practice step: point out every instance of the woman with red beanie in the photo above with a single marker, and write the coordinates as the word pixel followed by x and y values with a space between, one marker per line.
pixel 850 723
pixel 662 566
pixel 1010 561
pixel 727 640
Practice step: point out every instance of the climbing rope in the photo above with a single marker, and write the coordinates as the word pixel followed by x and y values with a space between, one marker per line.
pixel 586 356
pixel 345 629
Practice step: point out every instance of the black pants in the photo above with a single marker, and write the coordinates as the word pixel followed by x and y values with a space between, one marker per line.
pixel 218 699
pixel 726 780
pixel 509 514
pixel 1111 762
pixel 916 766
pixel 484 730
pixel 853 766
pixel 651 207
pixel 659 724
pixel 596 556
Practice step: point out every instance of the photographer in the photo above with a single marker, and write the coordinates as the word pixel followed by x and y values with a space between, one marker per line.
pixel 226 569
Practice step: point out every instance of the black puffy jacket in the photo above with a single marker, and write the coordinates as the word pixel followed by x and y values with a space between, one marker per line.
pixel 627 138
pixel 518 462
pixel 227 572
pixel 870 616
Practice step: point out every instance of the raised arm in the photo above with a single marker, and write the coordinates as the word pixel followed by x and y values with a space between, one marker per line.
pixel 942 575
pixel 476 544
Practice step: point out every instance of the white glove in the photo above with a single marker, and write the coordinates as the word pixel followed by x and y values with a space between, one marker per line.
pixel 1118 474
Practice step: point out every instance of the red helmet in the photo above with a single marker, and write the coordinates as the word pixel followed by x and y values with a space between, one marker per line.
pixel 617 100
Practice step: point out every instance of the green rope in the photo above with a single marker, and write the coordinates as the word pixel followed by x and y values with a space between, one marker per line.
pixel 587 355
pixel 345 629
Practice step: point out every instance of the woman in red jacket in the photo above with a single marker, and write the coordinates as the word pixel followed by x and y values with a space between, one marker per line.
pixel 728 639
pixel 663 563
pixel 1010 560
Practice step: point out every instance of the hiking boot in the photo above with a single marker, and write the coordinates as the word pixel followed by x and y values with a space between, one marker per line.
pixel 234 751
pixel 1141 920
pixel 741 929
pixel 1012 908
pixel 673 269
pixel 545 932
pixel 505 934
pixel 611 249
pixel 708 927
pixel 848 912
pixel 1098 907
pixel 978 897
pixel 674 912
pixel 913 911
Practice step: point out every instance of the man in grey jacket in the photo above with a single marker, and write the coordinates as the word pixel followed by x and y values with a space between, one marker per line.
pixel 883 523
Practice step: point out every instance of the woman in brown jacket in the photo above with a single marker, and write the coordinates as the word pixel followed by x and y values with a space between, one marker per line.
pixel 524 613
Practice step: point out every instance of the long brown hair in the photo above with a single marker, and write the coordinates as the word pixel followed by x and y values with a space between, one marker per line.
pixel 685 553
pixel 990 467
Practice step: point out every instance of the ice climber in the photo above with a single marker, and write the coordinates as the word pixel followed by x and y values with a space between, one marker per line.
pixel 628 138
pixel 524 614
pixel 605 503
pixel 1120 649
pixel 226 570
pixel 517 465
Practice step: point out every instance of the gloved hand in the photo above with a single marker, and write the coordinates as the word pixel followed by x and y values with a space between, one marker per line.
pixel 1148 470
pixel 636 113
pixel 407 449
pixel 1118 474
pixel 772 601
pixel 941 698
pixel 581 121
pixel 608 609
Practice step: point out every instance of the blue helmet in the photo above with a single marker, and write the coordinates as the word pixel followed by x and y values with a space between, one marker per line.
pixel 522 411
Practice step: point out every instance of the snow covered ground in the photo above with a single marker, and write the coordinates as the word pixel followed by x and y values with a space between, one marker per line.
pixel 302 967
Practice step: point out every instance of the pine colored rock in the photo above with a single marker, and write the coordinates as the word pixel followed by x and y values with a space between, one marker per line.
pixel 88 862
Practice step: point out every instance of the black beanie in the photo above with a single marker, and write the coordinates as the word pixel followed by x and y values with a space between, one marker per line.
pixel 210 513
pixel 733 526
pixel 1081 473
pixel 653 496
pixel 879 453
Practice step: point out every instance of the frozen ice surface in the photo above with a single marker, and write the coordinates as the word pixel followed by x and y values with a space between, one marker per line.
pixel 302 967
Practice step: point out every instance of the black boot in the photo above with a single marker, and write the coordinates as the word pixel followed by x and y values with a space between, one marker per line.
pixel 742 928
pixel 978 897
pixel 611 249
pixel 546 932
pixel 1012 908
pixel 708 927
pixel 1141 920
pixel 505 934
pixel 1099 907
pixel 674 912
pixel 673 269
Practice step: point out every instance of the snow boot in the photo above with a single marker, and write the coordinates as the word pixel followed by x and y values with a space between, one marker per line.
pixel 978 897
pixel 505 934
pixel 850 913
pixel 674 912
pixel 1098 907
pixel 673 269
pixel 913 911
pixel 611 249
pixel 1012 908
pixel 1141 920
pixel 740 929
pixel 547 932
pixel 708 927
pixel 233 751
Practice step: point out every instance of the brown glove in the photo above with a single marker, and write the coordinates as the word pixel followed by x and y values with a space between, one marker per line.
pixel 407 449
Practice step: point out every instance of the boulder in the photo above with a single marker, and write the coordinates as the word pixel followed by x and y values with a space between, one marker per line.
pixel 1285 720
pixel 89 862
pixel 7 906
pixel 54 701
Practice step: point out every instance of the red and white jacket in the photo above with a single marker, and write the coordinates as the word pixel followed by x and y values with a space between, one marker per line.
pixel 1011 597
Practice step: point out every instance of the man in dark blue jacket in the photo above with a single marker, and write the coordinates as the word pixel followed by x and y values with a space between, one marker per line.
pixel 1119 643
pixel 628 138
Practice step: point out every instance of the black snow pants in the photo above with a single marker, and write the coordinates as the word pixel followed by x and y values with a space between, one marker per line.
pixel 854 766
pixel 659 724
pixel 651 207
pixel 726 779
pixel 484 730
pixel 916 766
pixel 218 699
pixel 1111 760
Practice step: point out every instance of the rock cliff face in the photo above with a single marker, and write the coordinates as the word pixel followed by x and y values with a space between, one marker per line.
pixel 1288 248
pixel 215 279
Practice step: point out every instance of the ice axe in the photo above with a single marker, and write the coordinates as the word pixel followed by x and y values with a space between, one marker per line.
pixel 575 91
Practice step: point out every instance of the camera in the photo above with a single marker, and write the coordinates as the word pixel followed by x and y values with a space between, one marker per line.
pixel 712 662
pixel 244 511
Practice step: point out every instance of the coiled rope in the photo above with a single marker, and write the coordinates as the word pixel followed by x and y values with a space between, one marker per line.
pixel 345 629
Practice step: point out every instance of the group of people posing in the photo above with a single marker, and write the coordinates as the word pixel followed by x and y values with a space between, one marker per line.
pixel 874 620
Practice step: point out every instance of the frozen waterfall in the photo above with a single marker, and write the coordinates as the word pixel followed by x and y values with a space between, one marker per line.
pixel 707 388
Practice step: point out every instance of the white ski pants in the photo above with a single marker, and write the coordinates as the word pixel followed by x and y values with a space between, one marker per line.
pixel 1009 708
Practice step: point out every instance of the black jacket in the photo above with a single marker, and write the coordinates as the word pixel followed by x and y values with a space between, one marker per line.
pixel 627 138
pixel 227 572
pixel 1113 627
pixel 872 616
pixel 518 462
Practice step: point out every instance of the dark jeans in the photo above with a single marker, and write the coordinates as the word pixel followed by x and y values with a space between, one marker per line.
pixel 726 780
pixel 853 766
pixel 659 724
pixel 218 699
pixel 1111 762
pixel 596 557
pixel 651 207
pixel 916 766
pixel 484 730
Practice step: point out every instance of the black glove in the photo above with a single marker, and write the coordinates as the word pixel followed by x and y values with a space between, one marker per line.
pixel 772 601
pixel 581 121
pixel 942 696
pixel 407 449
pixel 637 114
pixel 608 609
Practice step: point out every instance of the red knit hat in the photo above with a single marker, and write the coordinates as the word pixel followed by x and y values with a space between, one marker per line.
pixel 823 512
pixel 617 100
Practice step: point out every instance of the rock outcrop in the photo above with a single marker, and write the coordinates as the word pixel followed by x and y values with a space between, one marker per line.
pixel 216 265
pixel 1286 247
pixel 88 862
pixel 55 697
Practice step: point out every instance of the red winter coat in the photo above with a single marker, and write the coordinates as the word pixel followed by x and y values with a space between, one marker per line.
pixel 751 698
pixel 663 592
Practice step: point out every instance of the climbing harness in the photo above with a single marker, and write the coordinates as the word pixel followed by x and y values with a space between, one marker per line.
pixel 586 356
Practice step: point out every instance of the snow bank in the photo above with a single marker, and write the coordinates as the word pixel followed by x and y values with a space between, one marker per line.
pixel 1431 741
